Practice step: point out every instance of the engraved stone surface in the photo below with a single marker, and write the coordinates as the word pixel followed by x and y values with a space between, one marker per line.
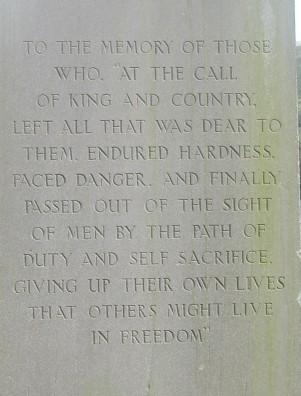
pixel 149 198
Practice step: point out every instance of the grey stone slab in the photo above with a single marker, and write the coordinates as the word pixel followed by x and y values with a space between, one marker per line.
pixel 149 199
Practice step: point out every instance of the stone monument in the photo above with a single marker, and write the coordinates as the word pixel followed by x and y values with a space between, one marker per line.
pixel 149 198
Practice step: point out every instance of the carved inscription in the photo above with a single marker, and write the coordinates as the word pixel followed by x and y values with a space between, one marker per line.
pixel 188 184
